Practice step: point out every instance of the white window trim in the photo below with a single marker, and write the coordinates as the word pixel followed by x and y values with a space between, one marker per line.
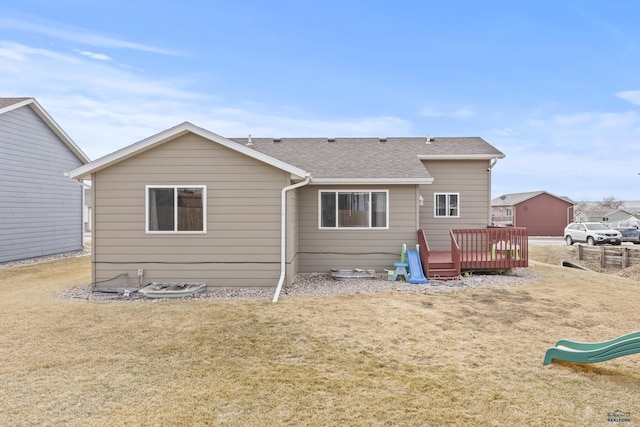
pixel 346 190
pixel 435 205
pixel 175 216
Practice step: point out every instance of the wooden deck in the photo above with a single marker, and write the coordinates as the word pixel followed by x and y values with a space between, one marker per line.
pixel 484 249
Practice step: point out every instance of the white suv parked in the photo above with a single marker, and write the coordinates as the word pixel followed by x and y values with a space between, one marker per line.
pixel 593 233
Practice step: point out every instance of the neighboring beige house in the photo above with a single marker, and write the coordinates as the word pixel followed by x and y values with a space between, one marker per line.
pixel 190 205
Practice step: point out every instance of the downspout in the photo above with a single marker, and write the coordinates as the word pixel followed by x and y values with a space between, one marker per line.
pixel 492 163
pixel 283 233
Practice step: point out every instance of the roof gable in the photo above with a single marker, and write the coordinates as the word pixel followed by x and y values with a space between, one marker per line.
pixel 84 172
pixel 10 104
pixel 517 198
pixel 619 215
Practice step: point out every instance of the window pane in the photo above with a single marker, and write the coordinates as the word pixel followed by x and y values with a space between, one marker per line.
pixel 190 211
pixel 328 209
pixel 453 205
pixel 379 209
pixel 441 204
pixel 161 209
pixel 353 209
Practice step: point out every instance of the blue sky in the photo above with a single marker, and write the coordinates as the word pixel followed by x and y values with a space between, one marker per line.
pixel 555 85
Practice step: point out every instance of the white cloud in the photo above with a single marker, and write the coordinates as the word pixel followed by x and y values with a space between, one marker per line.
pixel 460 113
pixel 18 52
pixel 93 55
pixel 632 96
pixel 504 132
pixel 624 120
pixel 104 107
pixel 582 155
pixel 32 70
pixel 464 112
pixel 79 36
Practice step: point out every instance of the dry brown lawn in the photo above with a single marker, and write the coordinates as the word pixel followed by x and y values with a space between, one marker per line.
pixel 468 358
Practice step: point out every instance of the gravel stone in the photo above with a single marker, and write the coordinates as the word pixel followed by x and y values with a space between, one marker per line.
pixel 304 285
pixel 317 284
pixel 29 261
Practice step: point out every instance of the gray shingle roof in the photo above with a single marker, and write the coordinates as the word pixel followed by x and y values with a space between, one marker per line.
pixel 341 160
pixel 369 158
pixel 515 198
pixel 5 102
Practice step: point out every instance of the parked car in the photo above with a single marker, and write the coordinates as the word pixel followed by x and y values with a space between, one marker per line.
pixel 630 230
pixel 592 233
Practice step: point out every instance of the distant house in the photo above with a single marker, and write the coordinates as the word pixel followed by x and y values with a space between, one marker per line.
pixel 190 205
pixel 605 215
pixel 542 213
pixel 40 207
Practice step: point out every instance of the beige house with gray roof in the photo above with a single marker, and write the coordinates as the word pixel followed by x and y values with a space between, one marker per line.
pixel 190 205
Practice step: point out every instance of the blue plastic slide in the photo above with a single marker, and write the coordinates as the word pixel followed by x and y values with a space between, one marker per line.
pixel 416 275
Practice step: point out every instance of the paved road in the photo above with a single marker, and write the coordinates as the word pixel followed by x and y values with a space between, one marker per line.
pixel 546 241
pixel 535 240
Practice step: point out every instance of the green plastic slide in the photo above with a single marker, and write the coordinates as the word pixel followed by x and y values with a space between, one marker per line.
pixel 583 352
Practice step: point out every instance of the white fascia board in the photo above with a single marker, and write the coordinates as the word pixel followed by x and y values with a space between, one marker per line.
pixel 16 105
pixel 371 181
pixel 37 108
pixel 41 112
pixel 460 156
pixel 84 172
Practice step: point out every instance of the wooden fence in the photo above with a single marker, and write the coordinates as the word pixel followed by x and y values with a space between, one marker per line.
pixel 610 256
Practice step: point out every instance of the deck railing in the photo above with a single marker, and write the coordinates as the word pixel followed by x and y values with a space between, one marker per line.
pixel 456 253
pixel 492 248
pixel 424 252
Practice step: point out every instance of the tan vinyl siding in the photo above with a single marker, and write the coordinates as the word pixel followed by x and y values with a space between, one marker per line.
pixel 292 236
pixel 322 250
pixel 242 244
pixel 471 180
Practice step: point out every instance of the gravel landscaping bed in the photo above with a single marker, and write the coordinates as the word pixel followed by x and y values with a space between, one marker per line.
pixel 28 261
pixel 322 285
pixel 315 284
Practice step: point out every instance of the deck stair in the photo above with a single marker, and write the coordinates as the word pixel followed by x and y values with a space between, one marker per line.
pixel 439 265
pixel 442 267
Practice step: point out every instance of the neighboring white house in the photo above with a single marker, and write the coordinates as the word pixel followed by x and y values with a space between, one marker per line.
pixel 40 207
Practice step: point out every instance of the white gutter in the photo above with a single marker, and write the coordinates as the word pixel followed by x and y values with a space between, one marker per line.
pixel 283 233
pixel 372 181
pixel 459 156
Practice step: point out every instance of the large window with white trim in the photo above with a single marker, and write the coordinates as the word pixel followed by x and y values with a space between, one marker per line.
pixel 354 209
pixel 176 209
pixel 446 205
